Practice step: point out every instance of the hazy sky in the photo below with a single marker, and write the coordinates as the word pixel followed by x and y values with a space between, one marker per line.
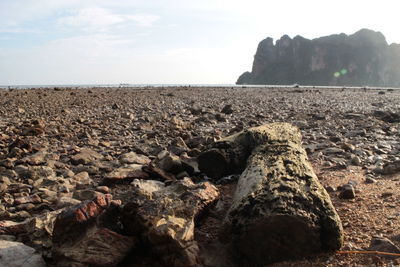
pixel 160 41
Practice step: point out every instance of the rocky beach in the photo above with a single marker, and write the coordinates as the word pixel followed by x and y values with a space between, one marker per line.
pixel 83 171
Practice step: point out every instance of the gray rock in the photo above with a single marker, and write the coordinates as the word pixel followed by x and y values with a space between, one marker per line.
pixel 63 202
pixel 103 189
pixel 148 187
pixel 86 194
pixel 7 238
pixel 391 167
pixel 333 150
pixel 370 180
pixel 355 160
pixel 132 157
pixel 16 254
pixel 126 173
pixel 82 178
pixel 384 245
pixel 3 187
pixel 171 163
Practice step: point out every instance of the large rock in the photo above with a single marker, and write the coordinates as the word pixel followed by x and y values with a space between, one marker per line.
pixel 15 254
pixel 89 234
pixel 363 58
pixel 164 217
pixel 280 210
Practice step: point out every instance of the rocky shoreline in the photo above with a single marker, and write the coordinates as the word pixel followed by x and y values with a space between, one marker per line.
pixel 61 146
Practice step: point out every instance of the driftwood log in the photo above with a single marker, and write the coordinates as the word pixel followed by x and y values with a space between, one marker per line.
pixel 280 210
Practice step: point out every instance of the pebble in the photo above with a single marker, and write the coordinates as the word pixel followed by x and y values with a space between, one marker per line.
pixel 66 141
pixel 347 191
pixel 370 180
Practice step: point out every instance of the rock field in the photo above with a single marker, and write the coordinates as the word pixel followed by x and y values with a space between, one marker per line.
pixel 82 171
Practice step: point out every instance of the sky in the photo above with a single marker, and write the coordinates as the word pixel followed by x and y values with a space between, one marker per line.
pixel 164 42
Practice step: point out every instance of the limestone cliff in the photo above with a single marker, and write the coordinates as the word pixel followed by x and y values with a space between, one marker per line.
pixel 361 59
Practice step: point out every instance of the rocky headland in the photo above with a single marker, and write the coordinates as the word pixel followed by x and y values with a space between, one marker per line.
pixel 361 59
pixel 111 177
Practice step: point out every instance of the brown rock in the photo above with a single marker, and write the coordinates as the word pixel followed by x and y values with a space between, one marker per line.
pixel 125 174
pixel 85 156
pixel 35 127
pixel 28 199
pixel 35 159
pixel 81 178
pixel 164 217
pixel 85 234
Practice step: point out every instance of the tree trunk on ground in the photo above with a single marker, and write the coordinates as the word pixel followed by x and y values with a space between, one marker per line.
pixel 229 155
pixel 280 210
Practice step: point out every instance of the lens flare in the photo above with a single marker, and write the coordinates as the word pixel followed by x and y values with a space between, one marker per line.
pixel 339 73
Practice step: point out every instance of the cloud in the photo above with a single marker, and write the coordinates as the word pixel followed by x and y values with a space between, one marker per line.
pixel 91 18
pixel 85 47
pixel 144 20
pixel 102 19
pixel 18 30
pixel 15 14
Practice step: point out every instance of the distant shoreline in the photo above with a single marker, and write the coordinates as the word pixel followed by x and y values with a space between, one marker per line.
pixel 144 86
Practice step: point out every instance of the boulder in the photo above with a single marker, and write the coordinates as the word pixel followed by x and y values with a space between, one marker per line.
pixel 89 234
pixel 164 217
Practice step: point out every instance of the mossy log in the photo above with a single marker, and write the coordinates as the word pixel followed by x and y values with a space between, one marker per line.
pixel 280 210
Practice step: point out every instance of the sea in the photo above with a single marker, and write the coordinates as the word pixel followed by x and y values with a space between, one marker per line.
pixel 144 86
